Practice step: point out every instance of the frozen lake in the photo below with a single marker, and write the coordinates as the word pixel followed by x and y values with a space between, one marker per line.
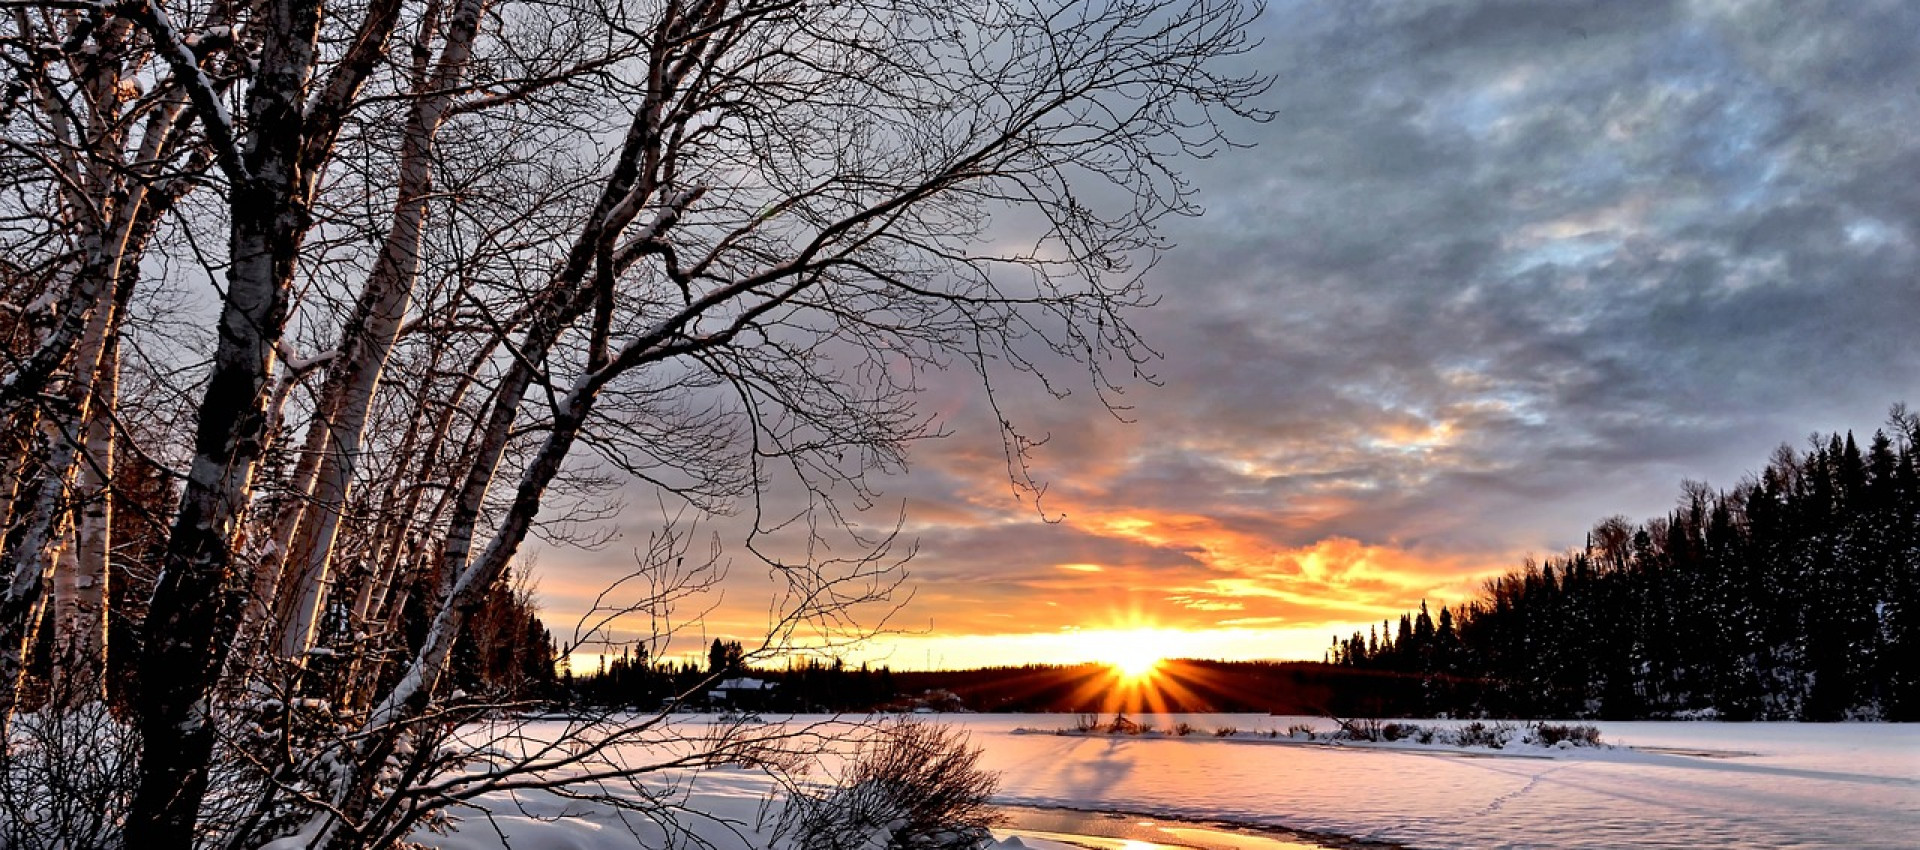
pixel 1665 785
pixel 1680 784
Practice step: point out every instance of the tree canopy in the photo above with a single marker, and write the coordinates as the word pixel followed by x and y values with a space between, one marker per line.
pixel 315 312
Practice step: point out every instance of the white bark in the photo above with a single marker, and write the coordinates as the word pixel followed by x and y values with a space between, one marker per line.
pixel 29 563
pixel 81 599
pixel 193 613
pixel 369 340
pixel 112 207
pixel 264 601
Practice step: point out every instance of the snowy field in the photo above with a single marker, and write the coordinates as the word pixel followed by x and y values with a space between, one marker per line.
pixel 1662 785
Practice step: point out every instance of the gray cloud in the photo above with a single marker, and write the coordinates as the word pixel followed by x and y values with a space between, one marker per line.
pixel 1604 246
pixel 1495 270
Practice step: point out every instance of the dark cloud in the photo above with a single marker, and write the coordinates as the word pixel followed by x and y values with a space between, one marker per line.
pixel 1600 235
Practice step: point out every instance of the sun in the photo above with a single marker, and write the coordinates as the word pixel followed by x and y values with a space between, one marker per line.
pixel 1133 655
pixel 1133 651
pixel 1136 668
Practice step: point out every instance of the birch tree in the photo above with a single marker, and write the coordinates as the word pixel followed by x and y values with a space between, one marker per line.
pixel 80 615
pixel 708 245
pixel 97 156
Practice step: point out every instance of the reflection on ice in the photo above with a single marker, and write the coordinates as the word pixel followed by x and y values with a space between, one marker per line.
pixel 1102 831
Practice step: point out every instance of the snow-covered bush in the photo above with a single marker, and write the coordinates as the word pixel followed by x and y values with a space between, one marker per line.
pixel 911 786
pixel 1553 734
pixel 1492 736
pixel 1361 729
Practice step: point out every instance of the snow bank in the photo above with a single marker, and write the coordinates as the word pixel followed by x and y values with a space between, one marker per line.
pixel 724 808
pixel 1471 737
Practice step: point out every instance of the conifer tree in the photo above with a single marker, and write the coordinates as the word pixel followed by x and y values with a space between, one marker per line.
pixel 1792 596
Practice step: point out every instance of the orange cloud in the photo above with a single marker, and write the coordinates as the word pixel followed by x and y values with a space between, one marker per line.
pixel 1244 594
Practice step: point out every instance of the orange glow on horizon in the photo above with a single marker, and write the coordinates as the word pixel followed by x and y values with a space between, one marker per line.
pixel 1203 587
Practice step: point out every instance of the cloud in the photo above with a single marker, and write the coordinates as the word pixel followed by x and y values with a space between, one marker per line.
pixel 1489 254
pixel 1494 271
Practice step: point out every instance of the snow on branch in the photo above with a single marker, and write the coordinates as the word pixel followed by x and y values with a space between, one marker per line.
pixel 214 117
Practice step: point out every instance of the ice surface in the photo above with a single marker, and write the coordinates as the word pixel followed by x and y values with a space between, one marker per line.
pixel 1667 785
pixel 1754 785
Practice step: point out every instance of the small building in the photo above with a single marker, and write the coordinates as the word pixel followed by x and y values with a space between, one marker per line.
pixel 744 693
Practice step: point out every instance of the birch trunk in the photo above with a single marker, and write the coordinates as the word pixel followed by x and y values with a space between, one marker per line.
pixel 269 574
pixel 96 140
pixel 193 616
pixel 465 578
pixel 395 563
pixel 22 596
pixel 465 596
pixel 369 339
pixel 383 563
pixel 116 197
pixel 81 602
pixel 28 563
pixel 191 610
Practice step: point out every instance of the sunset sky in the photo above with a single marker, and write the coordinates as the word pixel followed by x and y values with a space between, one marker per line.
pixel 1494 271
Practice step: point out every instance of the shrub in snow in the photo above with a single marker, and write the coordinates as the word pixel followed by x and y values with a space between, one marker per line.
pixel 1183 729
pixel 1226 732
pixel 1362 729
pixel 1556 734
pixel 1492 736
pixel 1122 726
pixel 912 786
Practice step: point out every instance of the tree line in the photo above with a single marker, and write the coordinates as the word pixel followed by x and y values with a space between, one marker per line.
pixel 634 679
pixel 1795 595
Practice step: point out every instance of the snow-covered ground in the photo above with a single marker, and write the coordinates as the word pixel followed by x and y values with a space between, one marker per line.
pixel 1662 785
